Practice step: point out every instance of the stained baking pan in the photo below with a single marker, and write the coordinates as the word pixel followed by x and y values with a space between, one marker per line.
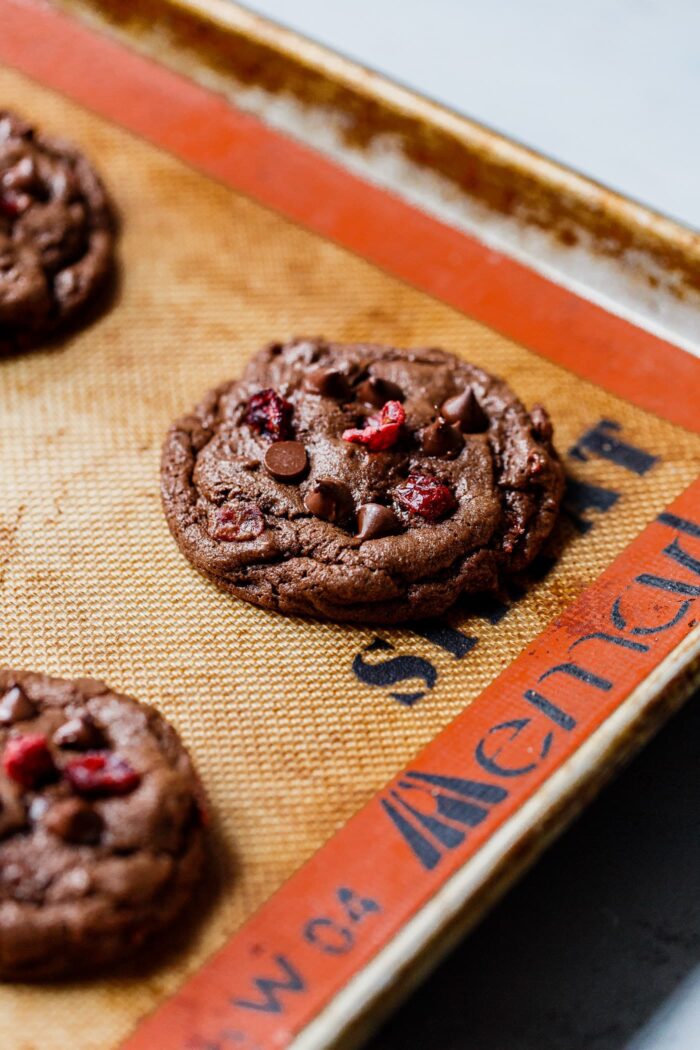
pixel 372 791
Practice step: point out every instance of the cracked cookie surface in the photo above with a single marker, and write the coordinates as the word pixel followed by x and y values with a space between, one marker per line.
pixel 56 234
pixel 101 839
pixel 360 483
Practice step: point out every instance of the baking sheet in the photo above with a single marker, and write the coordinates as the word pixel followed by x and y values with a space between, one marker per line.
pixel 289 741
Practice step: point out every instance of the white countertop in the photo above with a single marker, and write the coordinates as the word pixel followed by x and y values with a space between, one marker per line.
pixel 610 87
pixel 599 947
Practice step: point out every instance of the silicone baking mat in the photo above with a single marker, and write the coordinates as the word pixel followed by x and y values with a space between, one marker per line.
pixel 296 725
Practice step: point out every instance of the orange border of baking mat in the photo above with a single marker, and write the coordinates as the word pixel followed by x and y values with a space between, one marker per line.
pixel 207 131
pixel 333 916
pixel 326 923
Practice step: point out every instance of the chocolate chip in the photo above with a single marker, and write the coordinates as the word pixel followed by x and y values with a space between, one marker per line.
pixel 377 391
pixel 375 520
pixel 22 176
pixel 13 815
pixel 247 463
pixel 541 423
pixel 465 409
pixel 327 382
pixel 321 502
pixel 12 126
pixel 441 439
pixel 286 460
pixel 329 500
pixel 15 707
pixel 73 820
pixel 79 733
pixel 238 523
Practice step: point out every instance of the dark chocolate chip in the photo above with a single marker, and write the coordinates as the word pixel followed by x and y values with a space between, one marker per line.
pixel 238 523
pixel 321 502
pixel 15 707
pixel 327 382
pixel 329 500
pixel 13 126
pixel 13 814
pixel 247 463
pixel 465 409
pixel 286 460
pixel 73 820
pixel 22 176
pixel 374 520
pixel 79 733
pixel 541 423
pixel 441 439
pixel 377 391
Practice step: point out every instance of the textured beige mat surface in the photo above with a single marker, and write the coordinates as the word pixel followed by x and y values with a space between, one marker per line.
pixel 288 740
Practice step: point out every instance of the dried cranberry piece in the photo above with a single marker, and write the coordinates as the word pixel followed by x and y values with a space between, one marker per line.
pixel 238 523
pixel 269 414
pixel 27 760
pixel 426 496
pixel 536 461
pixel 101 773
pixel 380 432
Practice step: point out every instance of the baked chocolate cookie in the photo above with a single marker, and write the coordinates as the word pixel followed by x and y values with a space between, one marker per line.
pixel 56 233
pixel 101 835
pixel 360 482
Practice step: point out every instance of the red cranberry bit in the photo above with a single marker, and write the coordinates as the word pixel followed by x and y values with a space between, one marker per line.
pixel 238 523
pixel 426 496
pixel 270 415
pixel 380 432
pixel 101 773
pixel 536 461
pixel 27 760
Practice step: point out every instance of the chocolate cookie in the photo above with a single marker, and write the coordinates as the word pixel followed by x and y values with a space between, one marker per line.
pixel 100 825
pixel 360 482
pixel 56 233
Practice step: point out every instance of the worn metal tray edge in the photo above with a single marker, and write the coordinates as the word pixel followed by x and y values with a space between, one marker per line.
pixel 506 178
